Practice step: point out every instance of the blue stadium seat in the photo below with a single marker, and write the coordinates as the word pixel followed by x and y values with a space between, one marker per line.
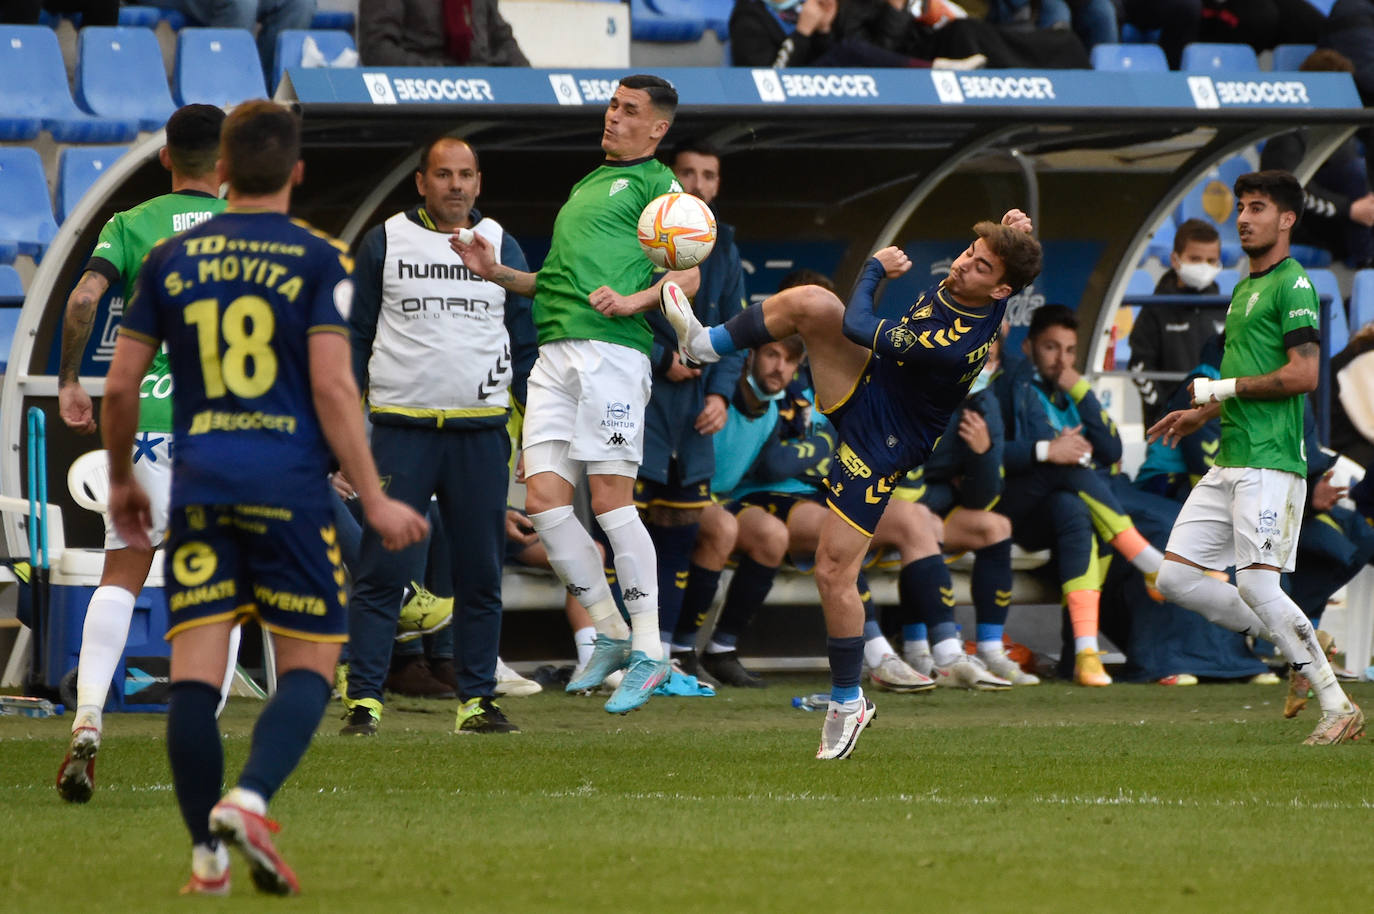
pixel 1226 281
pixel 11 286
pixel 1362 299
pixel 1309 256
pixel 78 167
pixel 1201 57
pixel 26 216
pixel 9 322
pixel 1140 283
pixel 665 20
pixel 716 15
pixel 333 19
pixel 119 74
pixel 1212 199
pixel 1162 242
pixel 291 42
pixel 217 67
pixel 34 82
pixel 1324 281
pixel 1288 57
pixel 8 251
pixel 1137 58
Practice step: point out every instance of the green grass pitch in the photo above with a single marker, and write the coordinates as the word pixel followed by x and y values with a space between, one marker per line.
pixel 1052 798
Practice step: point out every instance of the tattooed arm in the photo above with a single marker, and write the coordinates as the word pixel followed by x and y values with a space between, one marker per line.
pixel 73 401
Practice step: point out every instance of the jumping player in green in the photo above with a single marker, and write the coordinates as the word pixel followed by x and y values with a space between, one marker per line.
pixel 1248 508
pixel 190 153
pixel 590 384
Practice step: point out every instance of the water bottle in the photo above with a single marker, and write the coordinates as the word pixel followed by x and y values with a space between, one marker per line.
pixel 28 707
pixel 819 701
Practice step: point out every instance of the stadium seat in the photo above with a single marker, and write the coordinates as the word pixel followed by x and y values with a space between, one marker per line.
pixel 217 67
pixel 1134 57
pixel 1309 256
pixel 11 286
pixel 119 74
pixel 149 16
pixel 1162 241
pixel 665 20
pixel 1140 283
pixel 9 322
pixel 34 82
pixel 716 17
pixel 333 19
pixel 78 167
pixel 8 251
pixel 291 44
pixel 1201 57
pixel 1211 199
pixel 26 216
pixel 1324 281
pixel 1362 299
pixel 1226 281
pixel 1288 57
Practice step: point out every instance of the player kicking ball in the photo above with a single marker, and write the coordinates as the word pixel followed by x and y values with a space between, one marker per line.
pixel 889 387
pixel 1247 510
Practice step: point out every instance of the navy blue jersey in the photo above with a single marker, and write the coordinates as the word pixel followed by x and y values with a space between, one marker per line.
pixel 235 299
pixel 921 370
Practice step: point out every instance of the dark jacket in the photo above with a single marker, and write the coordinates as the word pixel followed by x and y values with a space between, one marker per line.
pixel 1025 401
pixel 952 462
pixel 1350 30
pixel 410 33
pixel 1170 339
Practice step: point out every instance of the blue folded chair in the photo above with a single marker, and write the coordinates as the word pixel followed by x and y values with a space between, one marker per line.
pixel 26 213
pixel 119 75
pixel 33 90
pixel 78 167
pixel 217 67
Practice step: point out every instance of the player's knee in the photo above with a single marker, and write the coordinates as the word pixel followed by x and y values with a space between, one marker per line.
pixel 717 534
pixel 767 545
pixel 997 527
pixel 1258 586
pixel 1176 580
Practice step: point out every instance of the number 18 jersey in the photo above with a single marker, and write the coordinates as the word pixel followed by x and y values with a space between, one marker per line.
pixel 236 299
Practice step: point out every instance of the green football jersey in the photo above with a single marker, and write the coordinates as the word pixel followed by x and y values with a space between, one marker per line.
pixel 1269 314
pixel 124 242
pixel 596 243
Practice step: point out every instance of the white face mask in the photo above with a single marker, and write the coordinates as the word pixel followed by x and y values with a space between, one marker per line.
pixel 758 391
pixel 1197 276
pixel 981 382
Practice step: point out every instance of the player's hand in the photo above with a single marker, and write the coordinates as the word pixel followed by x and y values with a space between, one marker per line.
pixel 1068 378
pixel 1325 495
pixel 712 417
pixel 342 486
pixel 76 409
pixel 1070 448
pixel 973 431
pixel 1018 220
pixel 519 529
pixel 1176 426
pixel 398 524
pixel 611 303
pixel 131 513
pixel 478 256
pixel 680 372
pixel 894 261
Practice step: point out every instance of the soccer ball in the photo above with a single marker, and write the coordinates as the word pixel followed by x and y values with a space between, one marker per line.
pixel 677 231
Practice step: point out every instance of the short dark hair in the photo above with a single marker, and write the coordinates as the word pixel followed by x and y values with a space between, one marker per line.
pixel 1019 252
pixel 193 138
pixel 662 95
pixel 806 277
pixel 260 145
pixel 422 165
pixel 1279 186
pixel 1194 230
pixel 696 144
pixel 1326 60
pixel 1047 316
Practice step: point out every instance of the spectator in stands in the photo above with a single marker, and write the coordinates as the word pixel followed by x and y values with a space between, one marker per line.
pixel 92 12
pixel 1094 21
pixel 1338 205
pixel 1352 409
pixel 1173 471
pixel 1171 337
pixel 688 405
pixel 438 390
pixel 436 33
pixel 1350 31
pixel 1177 22
pixel 273 17
pixel 1262 24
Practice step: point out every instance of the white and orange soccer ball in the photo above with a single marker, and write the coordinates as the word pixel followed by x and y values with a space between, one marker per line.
pixel 677 231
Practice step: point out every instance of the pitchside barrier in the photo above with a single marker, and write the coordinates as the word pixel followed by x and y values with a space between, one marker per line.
pixel 821 168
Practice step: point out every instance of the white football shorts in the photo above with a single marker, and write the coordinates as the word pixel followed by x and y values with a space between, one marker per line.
pixel 1241 516
pixel 153 471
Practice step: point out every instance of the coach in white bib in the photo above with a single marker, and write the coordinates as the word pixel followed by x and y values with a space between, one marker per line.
pixel 442 356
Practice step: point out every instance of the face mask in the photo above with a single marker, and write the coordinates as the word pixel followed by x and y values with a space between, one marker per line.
pixel 1197 276
pixel 765 397
pixel 779 6
pixel 982 381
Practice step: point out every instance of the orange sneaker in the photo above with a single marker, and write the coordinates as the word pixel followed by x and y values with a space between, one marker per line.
pixel 252 834
pixel 1338 728
pixel 1088 670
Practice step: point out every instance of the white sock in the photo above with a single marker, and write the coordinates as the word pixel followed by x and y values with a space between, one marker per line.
pixel 209 862
pixel 584 639
pixel 667 647
pixel 575 559
pixel 948 651
pixel 1292 632
pixel 715 647
pixel 1084 643
pixel 636 568
pixel 912 649
pixel 875 649
pixel 991 648
pixel 1148 560
pixel 1217 601
pixel 102 644
pixel 231 664
pixel 250 800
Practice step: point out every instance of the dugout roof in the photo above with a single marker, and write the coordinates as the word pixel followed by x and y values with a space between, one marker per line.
pixel 840 159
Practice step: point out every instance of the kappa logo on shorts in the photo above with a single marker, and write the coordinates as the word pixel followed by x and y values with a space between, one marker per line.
pixel 617 440
pixel 634 593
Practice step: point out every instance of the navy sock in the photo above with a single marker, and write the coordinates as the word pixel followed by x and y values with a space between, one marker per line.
pixel 673 545
pixel 846 666
pixel 927 594
pixel 747 592
pixel 991 588
pixel 696 603
pixel 284 730
pixel 746 331
pixel 196 754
